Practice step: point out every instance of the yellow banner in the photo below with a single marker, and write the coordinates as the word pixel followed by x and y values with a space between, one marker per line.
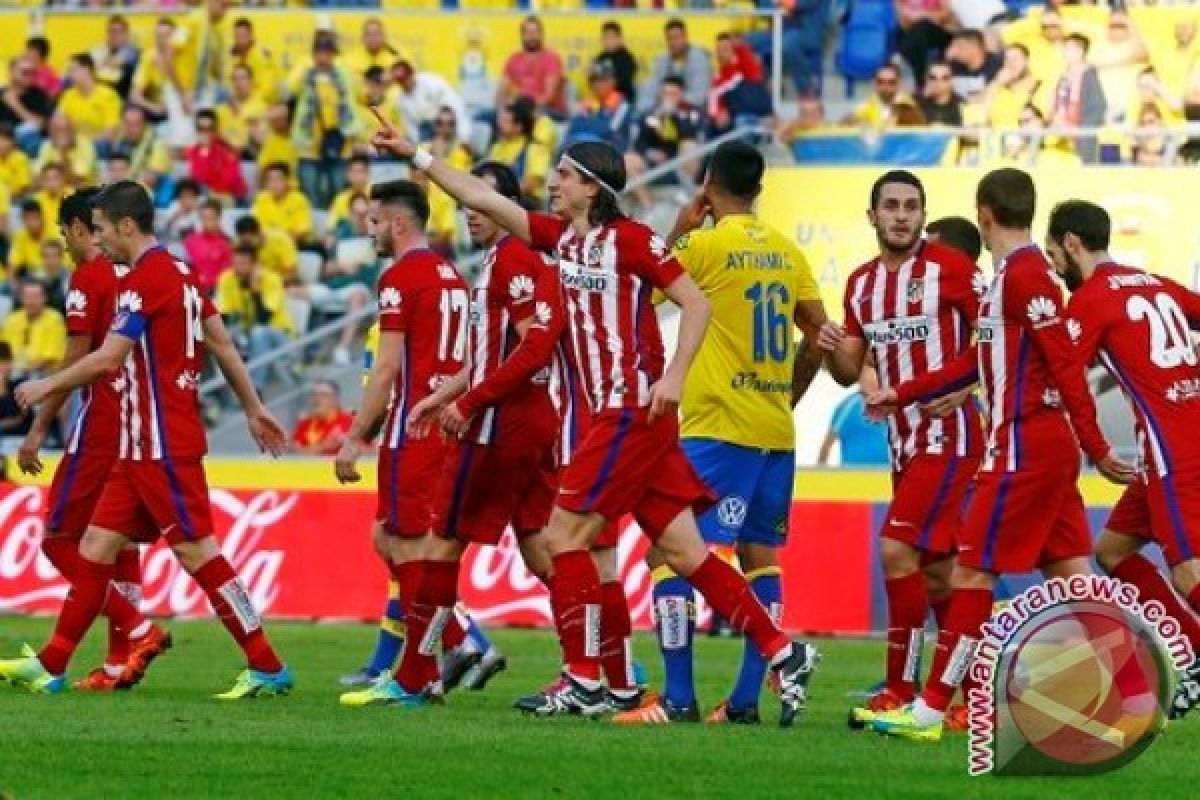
pixel 433 41
pixel 825 210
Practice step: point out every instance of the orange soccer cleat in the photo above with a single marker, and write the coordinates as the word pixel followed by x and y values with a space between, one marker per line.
pixel 98 681
pixel 141 652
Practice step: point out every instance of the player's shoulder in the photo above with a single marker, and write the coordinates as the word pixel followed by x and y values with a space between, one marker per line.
pixel 861 271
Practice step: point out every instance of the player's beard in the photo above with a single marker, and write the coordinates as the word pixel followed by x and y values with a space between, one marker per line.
pixel 1072 273
pixel 891 247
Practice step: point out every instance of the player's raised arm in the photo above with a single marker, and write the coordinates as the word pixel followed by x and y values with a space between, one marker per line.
pixel 267 432
pixel 464 187
pixel 27 455
pixel 112 354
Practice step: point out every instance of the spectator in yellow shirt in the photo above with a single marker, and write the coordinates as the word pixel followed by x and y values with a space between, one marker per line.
pixel 149 161
pixel 241 118
pixel 516 147
pixel 325 124
pixel 246 52
pixel 52 188
pixel 278 205
pixel 163 81
pixel 36 334
pixel 254 305
pixel 374 51
pixel 276 250
pixel 379 96
pixel 93 108
pixel 880 110
pixel 203 38
pixel 15 173
pixel 74 153
pixel 358 181
pixel 25 251
pixel 277 145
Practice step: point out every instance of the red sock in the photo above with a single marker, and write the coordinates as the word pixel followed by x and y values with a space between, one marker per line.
pixel 908 606
pixel 615 630
pixel 407 577
pixel 940 607
pixel 454 633
pixel 432 603
pixel 969 609
pixel 730 596
pixel 229 599
pixel 79 611
pixel 127 579
pixel 1139 571
pixel 63 553
pixel 575 593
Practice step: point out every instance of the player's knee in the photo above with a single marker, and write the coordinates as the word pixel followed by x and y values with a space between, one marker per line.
pixel 606 564
pixel 899 559
pixel 752 556
pixel 101 546
pixel 1111 550
pixel 194 555
pixel 1186 576
pixel 568 532
pixel 655 557
pixel 682 549
pixel 971 578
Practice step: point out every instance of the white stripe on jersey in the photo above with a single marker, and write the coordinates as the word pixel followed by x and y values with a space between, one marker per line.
pixel 904 361
pixel 960 413
pixel 886 380
pixel 590 330
pixel 996 382
pixel 610 304
pixel 643 387
pixel 1145 432
pixel 80 421
pixel 156 445
pixel 398 396
pixel 135 413
pixel 123 452
pixel 934 439
pixel 487 422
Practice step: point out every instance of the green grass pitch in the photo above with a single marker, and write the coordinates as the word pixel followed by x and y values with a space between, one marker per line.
pixel 168 739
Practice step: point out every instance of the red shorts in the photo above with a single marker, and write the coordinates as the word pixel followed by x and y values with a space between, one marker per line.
pixel 1019 521
pixel 1166 510
pixel 928 495
pixel 78 483
pixel 147 499
pixel 485 488
pixel 408 478
pixel 628 464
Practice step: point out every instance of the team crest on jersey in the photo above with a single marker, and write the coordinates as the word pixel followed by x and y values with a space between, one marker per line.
pixel 1041 311
pixel 520 288
pixel 657 246
pixel 1074 330
pixel 731 512
pixel 130 301
pixel 76 303
pixel 916 290
pixel 188 380
pixel 389 300
pixel 118 383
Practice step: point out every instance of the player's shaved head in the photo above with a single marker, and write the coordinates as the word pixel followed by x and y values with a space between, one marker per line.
pixel 1088 221
pixel 736 169
pixel 959 233
pixel 126 200
pixel 1010 196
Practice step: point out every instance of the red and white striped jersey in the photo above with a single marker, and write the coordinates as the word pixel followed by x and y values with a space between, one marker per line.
pixel 915 319
pixel 90 308
pixel 1024 361
pixel 1138 324
pixel 423 297
pixel 161 308
pixel 508 396
pixel 608 276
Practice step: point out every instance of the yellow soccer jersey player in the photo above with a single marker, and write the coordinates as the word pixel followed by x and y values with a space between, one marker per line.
pixel 739 388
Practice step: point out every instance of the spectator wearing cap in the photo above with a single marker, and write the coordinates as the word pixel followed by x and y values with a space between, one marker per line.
pixel 614 53
pixel 36 333
pixel 214 163
pixel 37 50
pixel 374 49
pixel 76 154
pixel 421 95
pixel 668 130
pixel 24 106
pixel 322 432
pixel 276 251
pixel 325 124
pixel 516 146
pixel 93 108
pixel 604 114
pixel 117 58
pixel 683 60
pixel 249 53
pixel 739 89
pixel 535 71
pixel 253 303
pixel 209 249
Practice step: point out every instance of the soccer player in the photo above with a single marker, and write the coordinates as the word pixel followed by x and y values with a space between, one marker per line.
pixel 738 430
pixel 424 308
pixel 630 460
pixel 1026 511
pixel 958 233
pixel 1137 324
pixel 157 488
pixel 910 310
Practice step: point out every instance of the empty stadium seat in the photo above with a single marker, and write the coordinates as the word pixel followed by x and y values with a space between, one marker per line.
pixel 308 269
pixel 866 41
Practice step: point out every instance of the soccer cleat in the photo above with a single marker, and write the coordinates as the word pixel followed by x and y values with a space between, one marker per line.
pixel 456 664
pixel 957 719
pixel 726 714
pixel 566 696
pixel 620 703
pixel 141 653
pixel 98 680
pixel 903 724
pixel 491 665
pixel 883 700
pixel 252 683
pixel 386 692
pixel 364 677
pixel 794 674
pixel 656 710
pixel 1187 693
pixel 28 673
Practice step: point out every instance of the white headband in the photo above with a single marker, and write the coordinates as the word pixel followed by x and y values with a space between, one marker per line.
pixel 567 158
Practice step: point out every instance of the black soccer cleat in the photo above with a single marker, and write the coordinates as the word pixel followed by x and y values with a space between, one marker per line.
pixel 566 696
pixel 794 674
pixel 456 664
pixel 1187 694
pixel 491 665
pixel 625 701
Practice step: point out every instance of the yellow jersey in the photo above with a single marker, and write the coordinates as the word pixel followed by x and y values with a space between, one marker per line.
pixel 278 149
pixel 234 300
pixel 238 125
pixel 291 213
pixel 15 172
pixel 35 344
pixel 278 252
pixel 94 114
pixel 739 388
